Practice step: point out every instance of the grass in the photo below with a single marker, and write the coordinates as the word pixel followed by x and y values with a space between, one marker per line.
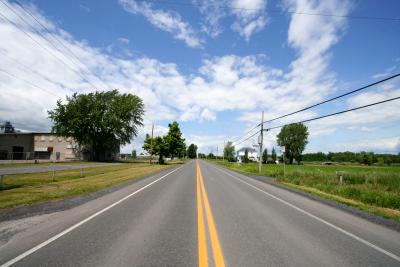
pixel 32 188
pixel 371 188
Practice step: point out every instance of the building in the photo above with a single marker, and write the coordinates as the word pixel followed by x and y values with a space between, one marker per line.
pixel 42 146
pixel 252 154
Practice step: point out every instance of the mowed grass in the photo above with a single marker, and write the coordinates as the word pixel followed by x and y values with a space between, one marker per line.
pixel 32 188
pixel 375 189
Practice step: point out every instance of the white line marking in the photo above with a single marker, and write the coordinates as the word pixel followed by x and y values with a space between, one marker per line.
pixel 66 231
pixel 387 253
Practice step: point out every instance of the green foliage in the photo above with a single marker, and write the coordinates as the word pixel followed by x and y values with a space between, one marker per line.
pixel 192 151
pixel 229 151
pixel 159 147
pixel 273 154
pixel 134 155
pixel 294 138
pixel 176 146
pixel 202 156
pixel 265 156
pixel 211 156
pixel 360 157
pixel 100 121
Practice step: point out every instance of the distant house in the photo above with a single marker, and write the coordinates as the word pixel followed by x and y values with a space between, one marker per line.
pixel 252 154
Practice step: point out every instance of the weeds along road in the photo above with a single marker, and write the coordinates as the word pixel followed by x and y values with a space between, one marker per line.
pixel 201 214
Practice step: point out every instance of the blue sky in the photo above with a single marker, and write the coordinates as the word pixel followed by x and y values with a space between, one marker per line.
pixel 212 65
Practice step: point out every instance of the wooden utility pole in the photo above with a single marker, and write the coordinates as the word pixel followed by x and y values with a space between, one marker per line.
pixel 223 152
pixel 261 141
pixel 151 144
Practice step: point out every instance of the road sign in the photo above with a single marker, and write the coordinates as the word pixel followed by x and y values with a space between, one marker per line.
pixel 283 149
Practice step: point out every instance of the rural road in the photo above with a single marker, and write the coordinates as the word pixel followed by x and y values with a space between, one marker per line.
pixel 51 167
pixel 201 214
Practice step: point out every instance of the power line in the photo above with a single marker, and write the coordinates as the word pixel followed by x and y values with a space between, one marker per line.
pixel 45 48
pixel 278 11
pixel 336 113
pixel 334 98
pixel 321 117
pixel 60 42
pixel 32 70
pixel 318 104
pixel 28 82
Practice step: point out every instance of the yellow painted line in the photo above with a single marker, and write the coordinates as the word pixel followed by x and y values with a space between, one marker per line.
pixel 216 247
pixel 203 259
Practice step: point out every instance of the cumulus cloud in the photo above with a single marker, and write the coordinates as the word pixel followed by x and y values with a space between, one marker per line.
pixel 249 16
pixel 245 84
pixel 168 21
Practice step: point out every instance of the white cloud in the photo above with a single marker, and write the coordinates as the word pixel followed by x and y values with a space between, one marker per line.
pixel 168 21
pixel 250 16
pixel 225 83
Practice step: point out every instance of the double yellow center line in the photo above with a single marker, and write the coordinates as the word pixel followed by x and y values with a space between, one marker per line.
pixel 215 245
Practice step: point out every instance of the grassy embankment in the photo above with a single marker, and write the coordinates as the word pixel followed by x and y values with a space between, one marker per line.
pixel 370 188
pixel 32 188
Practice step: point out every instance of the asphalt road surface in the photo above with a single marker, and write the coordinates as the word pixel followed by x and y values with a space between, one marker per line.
pixel 51 167
pixel 204 215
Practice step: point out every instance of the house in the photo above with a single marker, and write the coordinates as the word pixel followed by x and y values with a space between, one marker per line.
pixel 37 146
pixel 252 154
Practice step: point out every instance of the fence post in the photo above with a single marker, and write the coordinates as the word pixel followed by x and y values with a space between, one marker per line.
pixel 339 177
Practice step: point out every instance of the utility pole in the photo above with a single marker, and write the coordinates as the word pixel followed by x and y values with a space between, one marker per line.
pixel 217 153
pixel 260 141
pixel 151 144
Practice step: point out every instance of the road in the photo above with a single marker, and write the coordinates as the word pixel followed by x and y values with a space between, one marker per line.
pixel 201 214
pixel 51 167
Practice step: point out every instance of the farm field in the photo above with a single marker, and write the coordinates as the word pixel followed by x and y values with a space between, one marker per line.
pixel 371 188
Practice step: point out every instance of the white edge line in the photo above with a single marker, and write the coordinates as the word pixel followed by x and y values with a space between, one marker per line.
pixel 387 253
pixel 66 231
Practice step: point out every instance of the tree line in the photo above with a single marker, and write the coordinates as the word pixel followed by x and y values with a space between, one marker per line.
pixel 363 157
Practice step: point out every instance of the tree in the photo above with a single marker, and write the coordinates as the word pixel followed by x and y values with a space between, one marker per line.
pixel 192 151
pixel 211 156
pixel 265 156
pixel 134 156
pixel 100 121
pixel 176 146
pixel 273 154
pixel 246 156
pixel 294 138
pixel 229 151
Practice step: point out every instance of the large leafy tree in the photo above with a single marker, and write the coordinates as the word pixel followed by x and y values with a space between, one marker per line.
pixel 192 151
pixel 294 138
pixel 100 121
pixel 176 146
pixel 229 151
pixel 159 148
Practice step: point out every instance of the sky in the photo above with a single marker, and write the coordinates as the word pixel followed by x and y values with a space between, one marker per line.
pixel 213 66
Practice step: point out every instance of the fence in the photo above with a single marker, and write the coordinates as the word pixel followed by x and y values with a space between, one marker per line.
pixel 6 156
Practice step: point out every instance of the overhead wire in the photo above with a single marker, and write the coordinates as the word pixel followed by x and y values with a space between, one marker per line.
pixel 46 49
pixel 276 11
pixel 56 38
pixel 335 113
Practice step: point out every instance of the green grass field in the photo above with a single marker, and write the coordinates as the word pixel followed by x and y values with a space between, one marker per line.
pixel 32 188
pixel 375 189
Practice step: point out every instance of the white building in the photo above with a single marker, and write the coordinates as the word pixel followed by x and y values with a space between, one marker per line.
pixel 252 154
